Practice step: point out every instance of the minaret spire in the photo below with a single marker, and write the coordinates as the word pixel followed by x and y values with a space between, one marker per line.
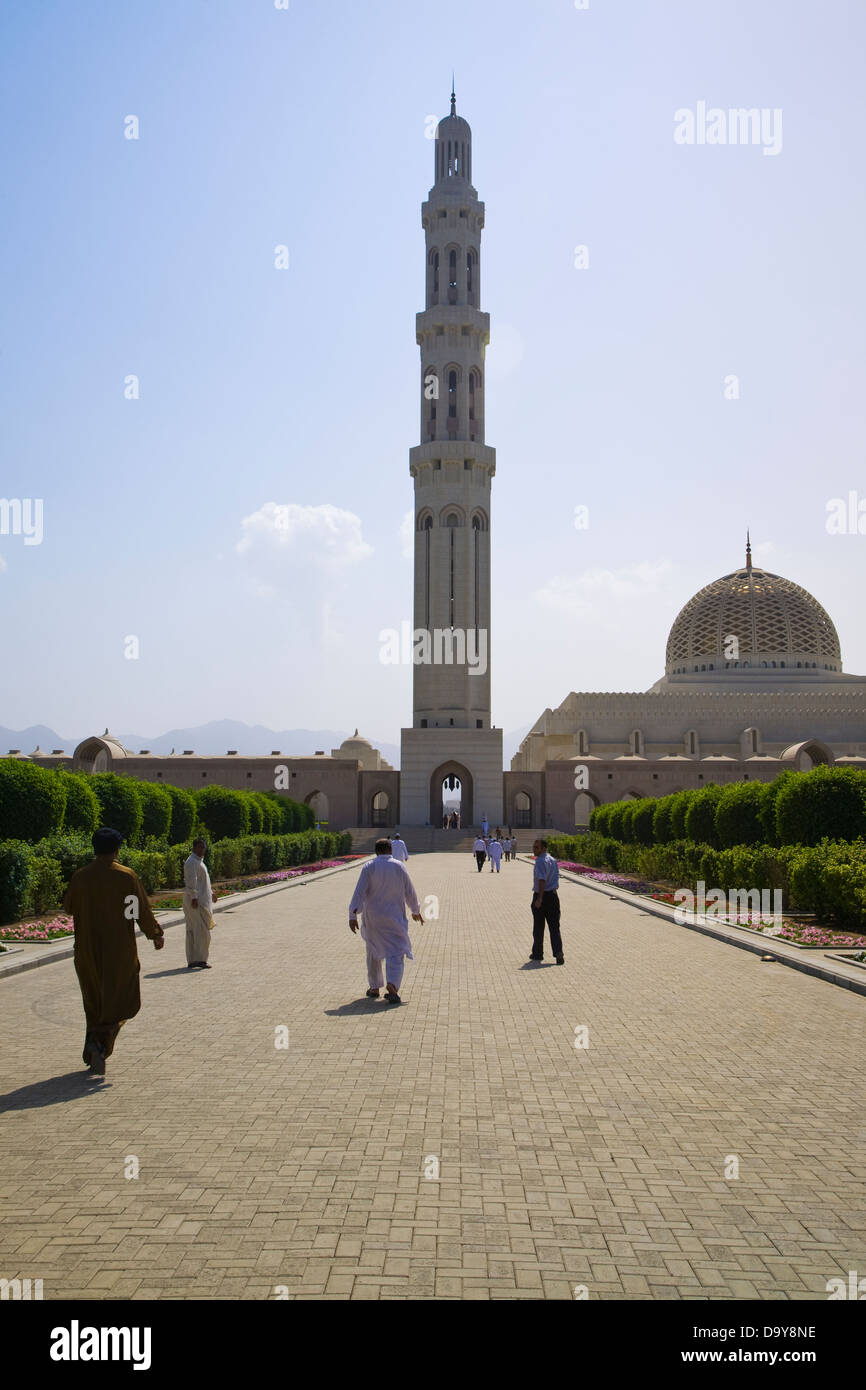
pixel 453 97
pixel 748 552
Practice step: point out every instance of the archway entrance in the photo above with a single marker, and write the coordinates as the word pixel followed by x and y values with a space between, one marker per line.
pixel 319 803
pixel 522 810
pixel 380 809
pixel 584 805
pixel 450 791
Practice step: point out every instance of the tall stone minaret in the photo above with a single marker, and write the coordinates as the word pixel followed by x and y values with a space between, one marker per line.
pixel 452 468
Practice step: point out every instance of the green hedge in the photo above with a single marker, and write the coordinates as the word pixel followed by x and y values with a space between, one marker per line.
pixel 32 800
pixel 796 808
pixel 182 815
pixel 82 807
pixel 120 804
pixel 828 879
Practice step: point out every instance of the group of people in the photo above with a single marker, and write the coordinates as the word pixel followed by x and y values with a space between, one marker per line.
pixel 384 891
pixel 107 901
pixel 450 820
pixel 495 847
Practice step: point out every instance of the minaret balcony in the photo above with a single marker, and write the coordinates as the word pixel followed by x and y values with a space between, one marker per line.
pixel 451 316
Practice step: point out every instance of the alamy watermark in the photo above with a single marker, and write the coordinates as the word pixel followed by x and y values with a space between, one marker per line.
pixel 713 125
pixel 441 646
pixel 749 904
pixel 22 516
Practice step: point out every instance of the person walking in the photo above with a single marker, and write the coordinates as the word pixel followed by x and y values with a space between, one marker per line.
pixel 382 893
pixel 545 903
pixel 106 899
pixel 398 847
pixel 479 849
pixel 485 826
pixel 495 853
pixel 197 907
pixel 506 848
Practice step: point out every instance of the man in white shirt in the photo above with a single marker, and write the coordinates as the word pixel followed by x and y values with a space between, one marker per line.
pixel 506 848
pixel 382 893
pixel 479 849
pixel 197 907
pixel 398 847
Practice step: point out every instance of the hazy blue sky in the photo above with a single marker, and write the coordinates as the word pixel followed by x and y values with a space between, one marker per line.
pixel 605 388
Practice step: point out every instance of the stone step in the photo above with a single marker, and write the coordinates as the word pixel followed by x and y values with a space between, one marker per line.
pixel 424 839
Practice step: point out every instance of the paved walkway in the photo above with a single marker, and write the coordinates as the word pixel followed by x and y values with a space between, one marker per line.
pixel 305 1168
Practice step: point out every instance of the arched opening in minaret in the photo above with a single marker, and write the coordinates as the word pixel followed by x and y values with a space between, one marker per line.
pixel 451 796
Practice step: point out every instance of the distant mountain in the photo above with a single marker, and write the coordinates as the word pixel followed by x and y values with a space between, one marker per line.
pixel 217 737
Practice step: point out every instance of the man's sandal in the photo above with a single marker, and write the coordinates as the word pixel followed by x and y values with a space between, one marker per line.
pixel 372 994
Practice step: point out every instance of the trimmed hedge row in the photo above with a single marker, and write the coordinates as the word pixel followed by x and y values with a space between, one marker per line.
pixel 33 878
pixel 796 808
pixel 828 879
pixel 39 802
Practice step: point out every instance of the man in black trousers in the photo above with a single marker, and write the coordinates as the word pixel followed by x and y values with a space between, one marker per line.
pixel 545 903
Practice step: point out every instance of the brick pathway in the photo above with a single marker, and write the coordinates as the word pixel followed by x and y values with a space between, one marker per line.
pixel 304 1168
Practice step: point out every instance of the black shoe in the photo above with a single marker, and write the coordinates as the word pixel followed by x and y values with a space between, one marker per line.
pixel 536 958
pixel 560 960
pixel 203 965
pixel 392 998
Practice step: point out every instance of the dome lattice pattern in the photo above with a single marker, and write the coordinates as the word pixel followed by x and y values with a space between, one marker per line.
pixel 770 616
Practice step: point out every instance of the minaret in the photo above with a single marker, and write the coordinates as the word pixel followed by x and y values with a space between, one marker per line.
pixel 452 468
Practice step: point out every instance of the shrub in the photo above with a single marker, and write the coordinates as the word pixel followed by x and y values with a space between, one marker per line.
pixel 767 813
pixel 738 814
pixel 32 800
pixel 254 812
pixel 615 816
pixel 828 802
pixel 15 859
pixel 45 888
pixel 679 806
pixel 148 864
pixel 269 810
pixel 642 820
pixel 599 819
pixel 82 807
pixel 662 831
pixel 223 813
pixel 225 858
pixel 70 849
pixel 120 804
pixel 183 812
pixel 700 817
pixel 156 808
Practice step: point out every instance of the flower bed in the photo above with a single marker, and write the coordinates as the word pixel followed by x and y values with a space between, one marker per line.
pixel 49 929
pixel 796 931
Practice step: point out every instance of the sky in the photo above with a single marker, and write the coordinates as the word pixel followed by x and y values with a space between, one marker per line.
pixel 698 369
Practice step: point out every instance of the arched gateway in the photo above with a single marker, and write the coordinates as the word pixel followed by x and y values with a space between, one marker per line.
pixel 444 773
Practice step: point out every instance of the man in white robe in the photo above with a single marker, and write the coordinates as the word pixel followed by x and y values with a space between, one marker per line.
pixel 398 847
pixel 494 850
pixel 383 891
pixel 197 907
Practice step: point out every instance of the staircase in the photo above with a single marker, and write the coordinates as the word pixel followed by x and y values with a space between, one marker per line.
pixel 424 839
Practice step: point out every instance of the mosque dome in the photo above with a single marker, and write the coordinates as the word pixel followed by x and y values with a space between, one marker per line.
pixel 774 621
pixel 452 153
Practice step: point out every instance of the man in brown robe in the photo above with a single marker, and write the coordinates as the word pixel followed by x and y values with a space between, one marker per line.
pixel 106 900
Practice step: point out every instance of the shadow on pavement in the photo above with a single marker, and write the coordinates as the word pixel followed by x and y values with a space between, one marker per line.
pixel 161 974
pixel 362 1006
pixel 537 964
pixel 56 1090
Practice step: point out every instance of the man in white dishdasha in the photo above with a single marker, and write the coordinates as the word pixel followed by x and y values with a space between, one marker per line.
pixel 383 891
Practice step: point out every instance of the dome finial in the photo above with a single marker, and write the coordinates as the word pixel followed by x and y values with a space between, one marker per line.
pixel 748 552
pixel 453 97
